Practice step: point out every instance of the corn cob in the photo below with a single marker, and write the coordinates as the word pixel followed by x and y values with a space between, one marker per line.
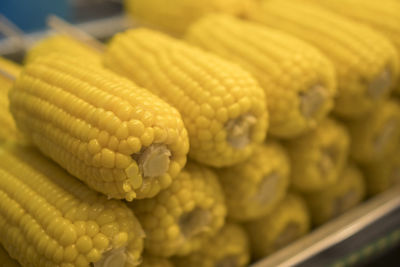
pixel 298 81
pixel 338 198
pixel 62 44
pixel 254 187
pixel 383 16
pixel 289 221
pixel 48 218
pixel 6 260
pixel 222 106
pixel 176 15
pixel 149 261
pixel 383 174
pixel 8 130
pixel 318 157
pixel 230 247
pixel 182 217
pixel 366 62
pixel 118 138
pixel 376 136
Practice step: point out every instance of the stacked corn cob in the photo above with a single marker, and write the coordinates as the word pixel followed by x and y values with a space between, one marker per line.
pixel 131 141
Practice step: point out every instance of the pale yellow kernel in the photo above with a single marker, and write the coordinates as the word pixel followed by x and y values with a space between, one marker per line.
pixel 166 221
pixel 93 133
pixel 134 144
pixel 202 122
pixel 136 128
pixel 96 160
pixel 103 138
pixel 147 137
pixel 122 161
pixel 113 143
pixel 124 148
pixel 110 229
pixel 92 228
pixel 123 131
pixel 222 115
pixel 160 211
pixel 107 158
pixel 94 255
pixel 59 255
pixel 205 135
pixel 160 135
pixel 120 239
pixel 70 253
pixel 100 241
pixel 81 261
pixel 216 102
pixel 173 232
pixel 207 110
pixel 136 181
pixel 94 146
pixel 80 228
pixel 106 216
pixel 84 244
pixel 68 236
pixel 132 171
pixel 126 187
pixel 234 111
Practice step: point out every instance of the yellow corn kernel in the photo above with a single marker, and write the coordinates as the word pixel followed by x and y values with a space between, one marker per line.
pixel 366 62
pixel 375 136
pixel 383 16
pixel 6 259
pixel 175 16
pixel 222 106
pixel 47 216
pixel 317 158
pixel 182 217
pixel 299 82
pixel 383 174
pixel 150 261
pixel 229 247
pixel 329 203
pixel 288 221
pixel 254 187
pixel 71 110
pixel 8 129
pixel 62 44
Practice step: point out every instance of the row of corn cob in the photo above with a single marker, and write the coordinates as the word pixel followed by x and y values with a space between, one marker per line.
pixel 334 155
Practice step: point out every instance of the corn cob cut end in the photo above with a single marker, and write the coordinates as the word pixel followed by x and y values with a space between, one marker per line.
pixel 239 130
pixel 312 101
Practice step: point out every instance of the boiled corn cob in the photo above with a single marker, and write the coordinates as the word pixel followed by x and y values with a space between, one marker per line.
pixel 48 218
pixel 63 44
pixel 366 62
pixel 149 261
pixel 299 82
pixel 289 221
pixel 230 247
pixel 318 157
pixel 175 16
pixel 254 187
pixel 329 203
pixel 222 106
pixel 6 260
pixel 376 136
pixel 115 136
pixel 383 16
pixel 182 217
pixel 8 129
pixel 383 174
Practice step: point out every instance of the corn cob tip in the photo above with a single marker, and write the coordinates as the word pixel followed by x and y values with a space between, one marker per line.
pixel 239 130
pixel 153 161
pixel 194 222
pixel 381 84
pixel 268 186
pixel 313 100
pixel 113 258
